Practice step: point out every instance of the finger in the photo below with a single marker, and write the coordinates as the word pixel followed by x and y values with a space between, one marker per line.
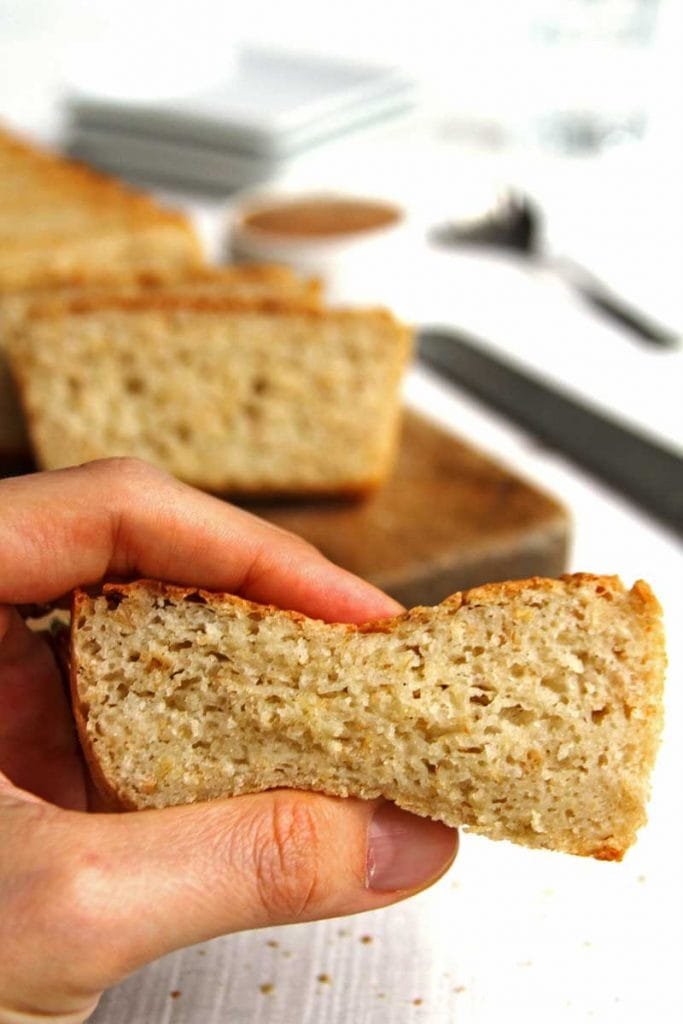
pixel 155 881
pixel 38 745
pixel 121 517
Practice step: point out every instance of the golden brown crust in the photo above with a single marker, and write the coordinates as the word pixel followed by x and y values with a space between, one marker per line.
pixel 114 281
pixel 57 171
pixel 80 712
pixel 489 593
pixel 169 303
pixel 105 211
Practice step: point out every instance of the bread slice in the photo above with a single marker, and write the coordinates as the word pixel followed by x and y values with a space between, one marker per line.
pixel 247 281
pixel 252 281
pixel 230 394
pixel 59 219
pixel 62 224
pixel 527 711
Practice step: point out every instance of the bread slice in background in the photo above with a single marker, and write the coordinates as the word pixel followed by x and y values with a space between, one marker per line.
pixel 59 219
pixel 244 281
pixel 528 711
pixel 249 281
pixel 232 395
pixel 64 225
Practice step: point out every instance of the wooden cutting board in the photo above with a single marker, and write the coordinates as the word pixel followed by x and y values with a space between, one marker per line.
pixel 449 518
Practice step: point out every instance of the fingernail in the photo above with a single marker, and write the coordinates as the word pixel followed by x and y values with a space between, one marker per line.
pixel 406 852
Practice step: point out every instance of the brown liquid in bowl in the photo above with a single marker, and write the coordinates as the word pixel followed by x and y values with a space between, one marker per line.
pixel 320 217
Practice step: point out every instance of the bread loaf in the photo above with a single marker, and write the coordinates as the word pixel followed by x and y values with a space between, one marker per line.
pixel 527 711
pixel 59 219
pixel 229 394
pixel 63 225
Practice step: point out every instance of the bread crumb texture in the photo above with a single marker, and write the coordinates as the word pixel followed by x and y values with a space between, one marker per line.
pixel 231 396
pixel 527 711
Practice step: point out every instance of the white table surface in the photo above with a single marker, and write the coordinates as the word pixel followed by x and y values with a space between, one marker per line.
pixel 508 933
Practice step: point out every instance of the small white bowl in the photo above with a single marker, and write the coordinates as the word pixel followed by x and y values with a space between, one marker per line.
pixel 357 263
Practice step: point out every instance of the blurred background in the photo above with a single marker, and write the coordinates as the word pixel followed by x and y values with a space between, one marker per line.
pixel 534 150
pixel 551 128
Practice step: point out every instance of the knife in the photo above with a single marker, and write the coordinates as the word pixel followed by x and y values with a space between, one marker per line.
pixel 648 473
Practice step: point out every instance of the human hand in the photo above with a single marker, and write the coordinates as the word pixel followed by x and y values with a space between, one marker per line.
pixel 86 898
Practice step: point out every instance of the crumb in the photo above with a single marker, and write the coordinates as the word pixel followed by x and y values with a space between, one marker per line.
pixel 366 939
pixel 417 1002
pixel 272 943
pixel 459 988
pixel 287 953
pixel 641 879
pixel 381 995
pixel 343 933
pixel 176 993
pixel 455 885
pixel 267 988
pixel 324 979
pixel 201 952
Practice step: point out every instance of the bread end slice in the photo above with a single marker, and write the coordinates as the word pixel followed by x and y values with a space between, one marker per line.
pixel 528 711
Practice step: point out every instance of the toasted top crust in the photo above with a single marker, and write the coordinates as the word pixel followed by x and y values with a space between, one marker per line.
pixel 58 174
pixel 51 209
pixel 487 594
pixel 169 303
pixel 266 274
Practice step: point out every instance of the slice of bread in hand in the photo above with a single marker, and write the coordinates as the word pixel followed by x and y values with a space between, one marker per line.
pixel 229 394
pixel 527 711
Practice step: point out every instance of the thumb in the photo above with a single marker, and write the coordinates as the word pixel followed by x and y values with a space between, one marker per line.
pixel 154 881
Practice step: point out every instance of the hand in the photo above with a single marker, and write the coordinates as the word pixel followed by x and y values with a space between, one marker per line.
pixel 86 898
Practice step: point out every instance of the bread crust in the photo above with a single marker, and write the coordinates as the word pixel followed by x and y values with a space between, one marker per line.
pixel 107 212
pixel 170 303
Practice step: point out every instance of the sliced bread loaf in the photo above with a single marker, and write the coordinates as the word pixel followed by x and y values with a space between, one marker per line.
pixel 243 281
pixel 59 219
pixel 62 224
pixel 230 394
pixel 527 711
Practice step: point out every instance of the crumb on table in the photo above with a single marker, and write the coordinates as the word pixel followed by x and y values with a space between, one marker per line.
pixel 366 939
pixel 176 993
pixel 324 979
pixel 266 988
